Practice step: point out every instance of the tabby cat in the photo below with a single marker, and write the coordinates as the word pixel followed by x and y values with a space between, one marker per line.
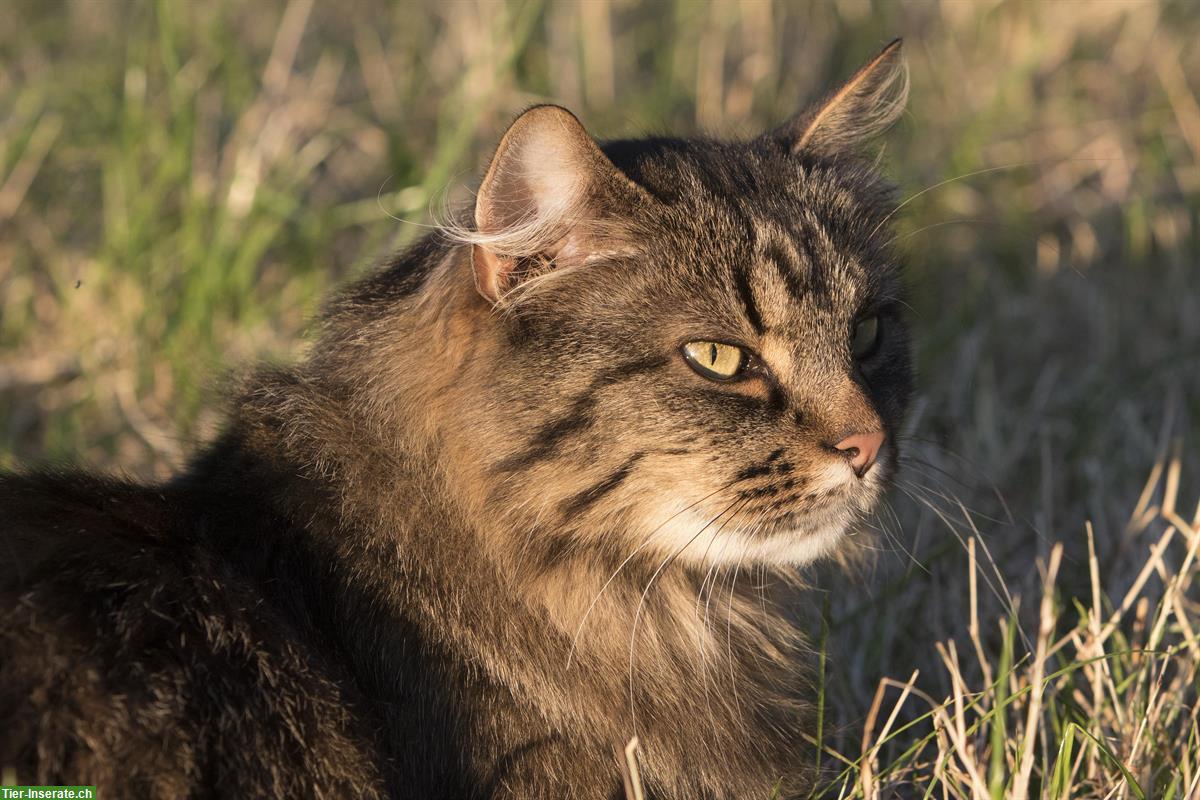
pixel 541 485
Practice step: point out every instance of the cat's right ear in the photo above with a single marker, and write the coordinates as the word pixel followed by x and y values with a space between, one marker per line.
pixel 547 195
pixel 862 108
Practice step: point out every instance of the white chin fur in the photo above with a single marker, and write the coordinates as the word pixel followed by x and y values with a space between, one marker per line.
pixel 695 538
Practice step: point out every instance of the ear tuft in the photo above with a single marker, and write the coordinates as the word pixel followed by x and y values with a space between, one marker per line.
pixel 547 181
pixel 540 171
pixel 864 107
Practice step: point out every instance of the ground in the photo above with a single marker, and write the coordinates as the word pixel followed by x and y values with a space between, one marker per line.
pixel 180 183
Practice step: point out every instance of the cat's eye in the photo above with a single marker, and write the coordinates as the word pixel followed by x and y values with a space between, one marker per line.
pixel 714 360
pixel 865 338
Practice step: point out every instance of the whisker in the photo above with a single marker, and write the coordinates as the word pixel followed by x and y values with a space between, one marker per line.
pixel 895 538
pixel 641 602
pixel 630 557
pixel 961 221
pixel 700 640
pixel 704 629
pixel 964 176
pixel 953 499
pixel 1001 594
pixel 976 469
pixel 762 589
pixel 729 633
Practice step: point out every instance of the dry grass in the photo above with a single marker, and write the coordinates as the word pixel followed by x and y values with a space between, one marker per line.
pixel 180 183
pixel 1099 701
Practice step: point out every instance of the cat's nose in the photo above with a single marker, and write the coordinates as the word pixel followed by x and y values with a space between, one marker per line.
pixel 862 448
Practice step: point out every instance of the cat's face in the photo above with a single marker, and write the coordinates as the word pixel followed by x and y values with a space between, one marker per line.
pixel 705 358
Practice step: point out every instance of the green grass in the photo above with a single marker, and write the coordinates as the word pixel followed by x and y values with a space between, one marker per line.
pixel 180 183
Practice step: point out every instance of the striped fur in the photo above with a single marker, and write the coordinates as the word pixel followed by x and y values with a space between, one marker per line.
pixel 494 525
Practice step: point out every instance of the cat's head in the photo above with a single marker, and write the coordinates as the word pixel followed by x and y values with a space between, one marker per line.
pixel 695 348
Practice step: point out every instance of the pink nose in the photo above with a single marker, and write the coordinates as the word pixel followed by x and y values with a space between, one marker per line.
pixel 862 448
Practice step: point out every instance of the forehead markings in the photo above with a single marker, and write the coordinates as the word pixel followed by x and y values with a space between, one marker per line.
pixel 783 283
pixel 781 255
pixel 741 281
pixel 777 275
pixel 838 281
pixel 819 252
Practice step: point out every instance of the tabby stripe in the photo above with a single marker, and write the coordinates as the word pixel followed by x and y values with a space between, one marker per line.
pixel 546 441
pixel 548 437
pixel 551 552
pixel 816 277
pixel 585 499
pixel 787 268
pixel 755 471
pixel 776 400
pixel 741 279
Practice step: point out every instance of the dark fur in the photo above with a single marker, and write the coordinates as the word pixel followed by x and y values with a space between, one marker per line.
pixel 370 584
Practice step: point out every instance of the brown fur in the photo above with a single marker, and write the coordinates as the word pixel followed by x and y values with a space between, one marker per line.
pixel 494 526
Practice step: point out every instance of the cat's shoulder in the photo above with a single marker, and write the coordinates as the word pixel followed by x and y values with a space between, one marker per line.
pixel 133 655
pixel 57 521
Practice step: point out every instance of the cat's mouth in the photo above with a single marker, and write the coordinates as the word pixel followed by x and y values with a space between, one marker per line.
pixel 816 522
pixel 837 493
pixel 807 527
pixel 800 536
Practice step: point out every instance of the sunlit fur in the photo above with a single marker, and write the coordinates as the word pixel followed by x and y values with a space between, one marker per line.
pixel 495 518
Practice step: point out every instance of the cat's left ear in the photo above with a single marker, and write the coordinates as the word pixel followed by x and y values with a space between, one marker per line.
pixel 861 109
pixel 550 198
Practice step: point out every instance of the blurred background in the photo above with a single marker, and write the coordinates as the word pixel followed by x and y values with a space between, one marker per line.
pixel 181 183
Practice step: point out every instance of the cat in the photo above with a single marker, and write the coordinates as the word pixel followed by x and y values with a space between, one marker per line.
pixel 543 483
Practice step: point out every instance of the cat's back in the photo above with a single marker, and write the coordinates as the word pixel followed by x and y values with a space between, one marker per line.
pixel 135 658
pixel 54 522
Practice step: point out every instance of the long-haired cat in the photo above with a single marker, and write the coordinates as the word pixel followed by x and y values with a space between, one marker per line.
pixel 518 505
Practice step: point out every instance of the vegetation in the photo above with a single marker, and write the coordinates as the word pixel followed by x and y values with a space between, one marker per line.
pixel 181 182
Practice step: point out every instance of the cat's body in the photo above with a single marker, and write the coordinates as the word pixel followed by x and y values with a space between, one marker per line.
pixel 198 634
pixel 518 505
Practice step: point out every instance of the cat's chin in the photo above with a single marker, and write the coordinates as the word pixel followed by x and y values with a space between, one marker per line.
pixel 795 547
pixel 693 540
pixel 790 542
pixel 792 539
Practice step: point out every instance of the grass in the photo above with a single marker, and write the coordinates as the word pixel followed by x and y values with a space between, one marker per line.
pixel 1103 704
pixel 180 183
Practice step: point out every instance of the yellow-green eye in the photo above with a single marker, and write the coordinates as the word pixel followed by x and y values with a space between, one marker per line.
pixel 866 336
pixel 713 360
